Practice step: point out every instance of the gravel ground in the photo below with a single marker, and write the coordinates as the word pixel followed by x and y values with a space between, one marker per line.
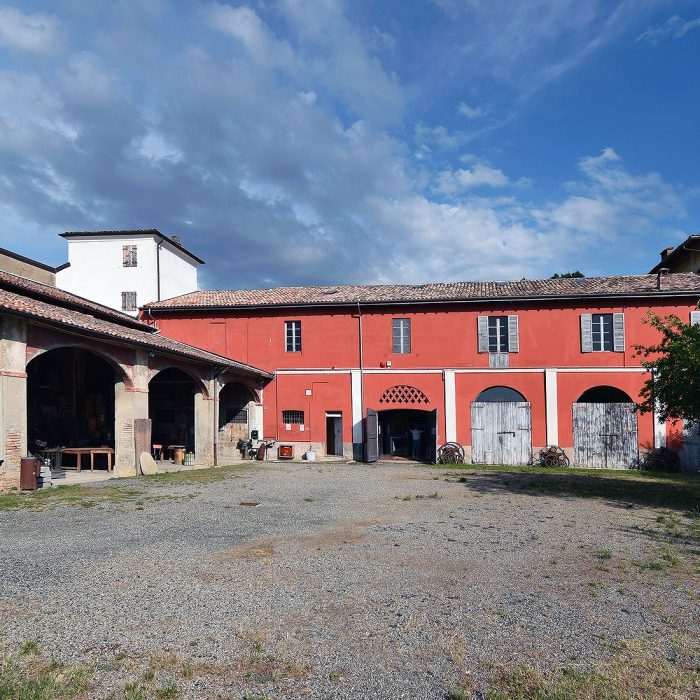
pixel 335 586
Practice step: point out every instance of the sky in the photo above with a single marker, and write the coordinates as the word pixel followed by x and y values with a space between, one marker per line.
pixel 329 141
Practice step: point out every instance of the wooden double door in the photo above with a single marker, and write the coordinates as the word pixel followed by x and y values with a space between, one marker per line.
pixel 605 435
pixel 501 432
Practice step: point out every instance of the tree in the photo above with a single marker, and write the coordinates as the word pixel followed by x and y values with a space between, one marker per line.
pixel 674 387
pixel 563 275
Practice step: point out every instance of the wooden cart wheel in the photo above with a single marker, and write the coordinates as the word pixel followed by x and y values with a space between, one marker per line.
pixel 451 453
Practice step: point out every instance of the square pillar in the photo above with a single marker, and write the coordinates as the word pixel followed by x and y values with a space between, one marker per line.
pixel 130 402
pixel 13 398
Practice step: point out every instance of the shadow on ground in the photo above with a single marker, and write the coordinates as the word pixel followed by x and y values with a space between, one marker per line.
pixel 673 491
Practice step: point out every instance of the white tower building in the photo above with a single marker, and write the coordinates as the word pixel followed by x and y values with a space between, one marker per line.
pixel 125 269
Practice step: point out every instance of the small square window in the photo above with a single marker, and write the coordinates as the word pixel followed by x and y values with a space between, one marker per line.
pixel 129 301
pixel 129 256
pixel 293 417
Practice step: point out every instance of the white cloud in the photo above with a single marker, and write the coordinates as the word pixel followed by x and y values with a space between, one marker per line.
pixel 243 24
pixel 38 33
pixel 470 112
pixel 674 28
pixel 453 181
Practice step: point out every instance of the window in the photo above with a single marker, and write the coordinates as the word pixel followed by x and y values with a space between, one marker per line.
pixel 129 301
pixel 292 334
pixel 498 334
pixel 129 258
pixel 603 332
pixel 401 335
pixel 293 417
pixel 237 415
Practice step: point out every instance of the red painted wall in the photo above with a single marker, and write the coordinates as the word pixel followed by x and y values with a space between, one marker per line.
pixel 442 336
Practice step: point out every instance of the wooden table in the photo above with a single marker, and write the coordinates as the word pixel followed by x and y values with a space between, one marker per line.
pixel 92 451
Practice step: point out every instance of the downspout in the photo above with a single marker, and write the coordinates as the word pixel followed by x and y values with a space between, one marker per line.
pixel 362 364
pixel 160 242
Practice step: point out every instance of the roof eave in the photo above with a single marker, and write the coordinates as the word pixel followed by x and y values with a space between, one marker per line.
pixel 397 302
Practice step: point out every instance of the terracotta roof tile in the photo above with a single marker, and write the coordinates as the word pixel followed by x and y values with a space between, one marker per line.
pixel 48 293
pixel 70 319
pixel 642 285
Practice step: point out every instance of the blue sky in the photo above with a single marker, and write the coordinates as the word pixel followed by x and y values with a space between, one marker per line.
pixel 320 141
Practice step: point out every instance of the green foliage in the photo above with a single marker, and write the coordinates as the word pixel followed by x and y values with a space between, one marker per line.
pixel 565 275
pixel 675 364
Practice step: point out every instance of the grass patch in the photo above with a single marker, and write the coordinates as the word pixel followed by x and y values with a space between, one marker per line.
pixel 79 495
pixel 41 680
pixel 673 491
pixel 198 476
pixel 309 499
pixel 634 673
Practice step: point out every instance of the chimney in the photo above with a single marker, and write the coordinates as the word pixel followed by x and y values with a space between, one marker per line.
pixel 660 275
pixel 666 252
pixel 178 241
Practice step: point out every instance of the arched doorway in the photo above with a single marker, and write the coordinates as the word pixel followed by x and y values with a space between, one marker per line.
pixel 70 404
pixel 236 404
pixel 605 429
pixel 501 427
pixel 171 395
pixel 403 428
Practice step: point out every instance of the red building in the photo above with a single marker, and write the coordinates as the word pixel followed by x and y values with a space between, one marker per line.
pixel 503 368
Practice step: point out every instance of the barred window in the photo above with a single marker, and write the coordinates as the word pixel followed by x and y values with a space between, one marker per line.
pixel 295 417
pixel 292 335
pixel 129 301
pixel 237 415
pixel 401 335
pixel 129 257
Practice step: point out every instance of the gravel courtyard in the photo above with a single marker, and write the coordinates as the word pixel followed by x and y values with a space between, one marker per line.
pixel 346 581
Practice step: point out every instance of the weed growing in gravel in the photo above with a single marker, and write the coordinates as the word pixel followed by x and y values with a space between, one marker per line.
pixel 604 554
pixel 134 691
pixel 458 694
pixel 166 692
pixel 309 499
pixel 29 647
pixel 149 674
pixel 40 680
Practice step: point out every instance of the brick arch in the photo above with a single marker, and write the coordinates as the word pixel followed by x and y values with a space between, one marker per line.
pixel 199 382
pixel 404 395
pixel 121 370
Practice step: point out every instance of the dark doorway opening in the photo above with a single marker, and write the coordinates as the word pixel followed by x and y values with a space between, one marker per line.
pixel 334 433
pixel 406 434
pixel 70 403
pixel 171 409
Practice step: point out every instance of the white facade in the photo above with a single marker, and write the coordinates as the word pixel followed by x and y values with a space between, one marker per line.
pixel 98 269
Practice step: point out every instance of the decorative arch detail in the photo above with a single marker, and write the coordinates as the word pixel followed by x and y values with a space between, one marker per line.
pixel 403 394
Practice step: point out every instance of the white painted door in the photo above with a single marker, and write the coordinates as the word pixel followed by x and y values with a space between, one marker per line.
pixel 501 432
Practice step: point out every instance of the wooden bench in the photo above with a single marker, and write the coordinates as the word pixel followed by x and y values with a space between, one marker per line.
pixel 92 451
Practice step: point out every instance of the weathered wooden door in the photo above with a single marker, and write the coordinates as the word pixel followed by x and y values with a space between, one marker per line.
pixel 371 436
pixel 501 432
pixel 605 435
